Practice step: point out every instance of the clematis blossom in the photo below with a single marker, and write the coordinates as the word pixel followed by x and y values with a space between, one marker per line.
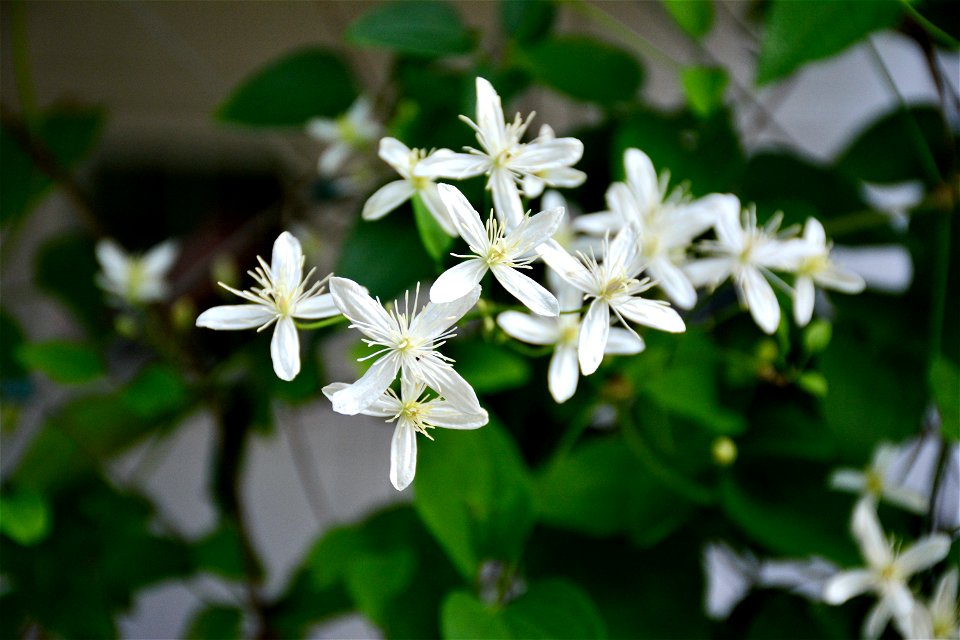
pixel 817 268
pixel 283 294
pixel 135 279
pixel 877 481
pixel 355 130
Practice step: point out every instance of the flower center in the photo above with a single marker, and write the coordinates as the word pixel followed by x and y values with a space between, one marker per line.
pixel 813 265
pixel 569 333
pixel 416 413
pixel 135 279
pixel 874 482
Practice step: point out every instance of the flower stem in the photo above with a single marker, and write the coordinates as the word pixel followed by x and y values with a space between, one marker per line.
pixel 320 324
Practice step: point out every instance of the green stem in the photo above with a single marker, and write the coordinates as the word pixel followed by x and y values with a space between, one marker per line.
pixel 935 32
pixel 320 324
pixel 627 35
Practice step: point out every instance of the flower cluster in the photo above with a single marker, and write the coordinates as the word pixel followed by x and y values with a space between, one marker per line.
pixel 135 279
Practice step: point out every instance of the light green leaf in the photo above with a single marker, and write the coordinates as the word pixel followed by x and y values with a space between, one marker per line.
pixel 584 68
pixel 291 90
pixel 24 516
pixel 694 16
pixel 221 552
pixel 813 383
pixel 216 622
pixel 474 494
pixel 435 240
pixel 419 27
pixel 489 368
pixel 63 362
pixel 704 87
pixel 816 336
pixel 799 32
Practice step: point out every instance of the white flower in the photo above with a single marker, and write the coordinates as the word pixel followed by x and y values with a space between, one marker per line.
pixel 563 176
pixel 939 618
pixel 613 285
pixel 887 570
pixel 391 195
pixel 730 577
pixel 817 268
pixel 877 481
pixel 503 158
pixel 409 341
pixel 283 294
pixel 355 130
pixel 498 250
pixel 135 279
pixel 805 578
pixel 414 412
pixel 746 253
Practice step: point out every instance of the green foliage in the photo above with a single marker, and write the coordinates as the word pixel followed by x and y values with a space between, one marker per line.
pixel 526 21
pixel 474 494
pixel 584 69
pixel 435 240
pixel 489 368
pixel 427 28
pixel 216 622
pixel 73 286
pixel 694 16
pixel 548 609
pixel 62 361
pixel 221 552
pixel 289 91
pixel 945 380
pixel 800 32
pixel 157 391
pixel 704 87
pixel 24 516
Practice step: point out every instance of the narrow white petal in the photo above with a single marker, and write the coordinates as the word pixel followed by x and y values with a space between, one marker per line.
pixel 287 261
pixel 285 349
pixel 435 318
pixel 403 454
pixel 563 375
pixel 396 154
pixel 458 281
pixel 594 332
pixel 332 159
pixel 316 307
pixel 898 597
pixel 386 406
pixel 813 233
pixel 531 329
pixel 708 272
pixel 651 313
pixel 490 116
pixel 729 579
pixel 803 299
pixel 729 231
pixel 534 231
pixel 448 383
pixel 877 620
pixel 848 480
pixel 506 198
pixel 847 584
pixel 457 166
pixel 923 554
pixel 642 178
pixel 866 529
pixel 839 279
pixel 673 281
pixel 945 595
pixel 386 199
pixel 113 260
pixel 760 299
pixel 532 185
pixel 547 154
pixel 566 266
pixel 356 304
pixel 622 249
pixel 323 129
pixel 430 196
pixel 598 224
pixel 158 260
pixel 623 343
pixel 450 415
pixel 368 389
pixel 235 316
pixel 563 177
pixel 465 217
pixel 527 290
pixel 622 201
pixel 701 214
pixel 906 498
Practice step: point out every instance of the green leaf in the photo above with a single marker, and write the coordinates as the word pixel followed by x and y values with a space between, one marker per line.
pixel 704 87
pixel 24 516
pixel 816 336
pixel 799 32
pixel 419 27
pixel 474 494
pixel 945 380
pixel 66 267
pixel 289 91
pixel 584 68
pixel 548 609
pixel 435 240
pixel 221 552
pixel 813 383
pixel 216 622
pixel 489 368
pixel 526 21
pixel 694 16
pixel 158 390
pixel 63 362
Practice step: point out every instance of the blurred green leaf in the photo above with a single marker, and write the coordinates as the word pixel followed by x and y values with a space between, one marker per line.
pixel 303 605
pixel 814 383
pixel 62 361
pixel 800 32
pixel 816 336
pixel 65 269
pixel 66 134
pixel 289 91
pixel 158 390
pixel 694 16
pixel 418 27
pixel 24 516
pixel 435 240
pixel 221 552
pixel 216 622
pixel 584 68
pixel 474 494
pixel 526 21
pixel 945 380
pixel 489 368
pixel 548 609
pixel 704 87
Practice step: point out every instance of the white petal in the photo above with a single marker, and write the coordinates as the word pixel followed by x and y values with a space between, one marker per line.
pixel 877 620
pixel 622 249
pixel 287 262
pixel 448 383
pixel 547 154
pixel 866 529
pixel 465 217
pixel 562 177
pixel 760 298
pixel 673 281
pixel 651 313
pixel 923 554
pixel 450 415
pixel 396 154
pixel 403 454
pixel 599 223
pixel 531 329
pixel 235 316
pixel 356 304
pixel 623 343
pixel 813 233
pixel 838 279
pixel 621 200
pixel 490 116
pixel 848 480
pixel 945 595
pixel 506 198
pixel 899 598
pixel 533 231
pixel 332 159
pixel 430 196
pixel 316 307
pixel 435 318
pixel 906 498
pixel 708 272
pixel 456 166
pixel 527 290
pixel 285 349
pixel 368 389
pixel 323 129
pixel 701 214
pixel 803 299
pixel 642 178
pixel 114 260
pixel 846 585
pixel 729 579
pixel 386 199
pixel 458 281
pixel 729 231
pixel 386 406
pixel 594 331
pixel 158 260
pixel 563 375
pixel 532 185
pixel 566 266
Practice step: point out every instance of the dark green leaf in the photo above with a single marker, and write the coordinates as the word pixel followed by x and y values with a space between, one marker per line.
pixel 585 69
pixel 694 16
pixel 216 622
pixel 526 20
pixel 799 32
pixel 474 494
pixel 24 516
pixel 66 267
pixel 419 27
pixel 704 87
pixel 221 552
pixel 489 368
pixel 289 91
pixel 435 240
pixel 63 362
pixel 157 391
pixel 945 380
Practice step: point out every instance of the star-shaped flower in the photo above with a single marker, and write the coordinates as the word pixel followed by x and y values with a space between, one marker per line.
pixel 355 130
pixel 876 483
pixel 415 412
pixel 408 340
pixel 940 618
pixel 817 268
pixel 282 295
pixel 135 279
pixel 499 250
